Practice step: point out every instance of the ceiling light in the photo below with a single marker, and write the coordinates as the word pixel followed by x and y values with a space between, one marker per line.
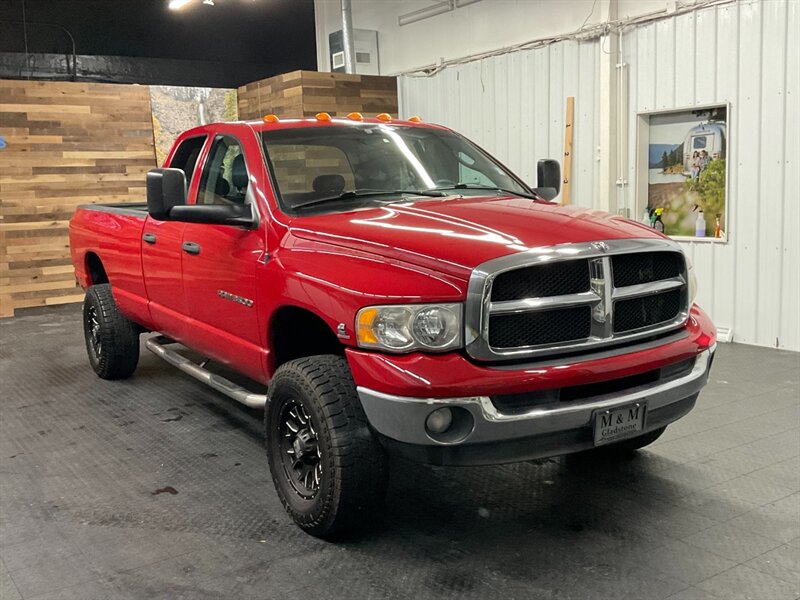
pixel 178 4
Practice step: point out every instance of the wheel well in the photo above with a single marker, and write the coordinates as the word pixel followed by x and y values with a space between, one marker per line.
pixel 95 269
pixel 297 332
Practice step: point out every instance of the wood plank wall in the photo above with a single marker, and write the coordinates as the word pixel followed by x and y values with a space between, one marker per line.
pixel 75 143
pixel 67 144
pixel 305 93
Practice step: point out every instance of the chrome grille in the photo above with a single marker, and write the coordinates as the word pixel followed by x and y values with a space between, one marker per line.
pixel 574 297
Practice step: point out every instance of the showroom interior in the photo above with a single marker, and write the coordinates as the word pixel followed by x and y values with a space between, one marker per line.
pixel 671 121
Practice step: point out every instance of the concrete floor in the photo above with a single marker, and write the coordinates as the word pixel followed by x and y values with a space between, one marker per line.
pixel 157 487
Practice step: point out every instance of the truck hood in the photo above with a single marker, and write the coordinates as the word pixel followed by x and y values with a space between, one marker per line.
pixel 453 235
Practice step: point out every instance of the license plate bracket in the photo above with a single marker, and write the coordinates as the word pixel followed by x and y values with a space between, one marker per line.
pixel 619 423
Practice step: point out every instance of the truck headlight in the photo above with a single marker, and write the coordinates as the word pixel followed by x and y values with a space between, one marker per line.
pixel 692 279
pixel 407 327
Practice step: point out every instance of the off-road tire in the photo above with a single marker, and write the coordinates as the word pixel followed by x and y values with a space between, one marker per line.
pixel 353 464
pixel 113 348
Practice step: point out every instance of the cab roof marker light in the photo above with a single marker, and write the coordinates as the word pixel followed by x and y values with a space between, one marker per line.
pixel 355 116
pixel 323 116
pixel 385 117
pixel 270 118
pixel 415 119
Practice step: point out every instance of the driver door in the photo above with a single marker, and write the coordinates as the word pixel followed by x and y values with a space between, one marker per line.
pixel 219 264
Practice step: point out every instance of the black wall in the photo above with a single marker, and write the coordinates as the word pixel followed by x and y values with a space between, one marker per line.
pixel 141 41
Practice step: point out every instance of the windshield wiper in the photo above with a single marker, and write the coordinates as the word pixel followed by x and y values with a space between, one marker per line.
pixel 367 193
pixel 477 186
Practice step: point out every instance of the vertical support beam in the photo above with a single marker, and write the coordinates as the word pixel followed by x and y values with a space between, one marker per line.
pixel 347 37
pixel 607 148
pixel 568 128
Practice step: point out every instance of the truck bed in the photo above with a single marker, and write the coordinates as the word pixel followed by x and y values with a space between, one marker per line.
pixel 134 209
pixel 111 235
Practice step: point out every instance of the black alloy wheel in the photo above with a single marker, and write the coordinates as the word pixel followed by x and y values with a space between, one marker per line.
pixel 300 451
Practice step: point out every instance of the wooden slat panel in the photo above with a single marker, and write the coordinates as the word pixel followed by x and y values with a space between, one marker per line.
pixel 305 93
pixel 68 144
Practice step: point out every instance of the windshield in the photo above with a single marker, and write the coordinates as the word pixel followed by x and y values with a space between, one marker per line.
pixel 361 164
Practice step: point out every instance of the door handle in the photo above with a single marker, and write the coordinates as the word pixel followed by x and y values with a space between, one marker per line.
pixel 150 238
pixel 191 248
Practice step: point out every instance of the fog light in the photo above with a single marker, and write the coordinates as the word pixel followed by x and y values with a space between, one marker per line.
pixel 439 420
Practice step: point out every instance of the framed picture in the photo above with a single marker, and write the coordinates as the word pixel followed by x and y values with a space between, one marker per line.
pixel 682 172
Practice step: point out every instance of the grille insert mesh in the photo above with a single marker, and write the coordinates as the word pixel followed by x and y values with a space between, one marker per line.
pixel 646 267
pixel 647 311
pixel 554 279
pixel 541 327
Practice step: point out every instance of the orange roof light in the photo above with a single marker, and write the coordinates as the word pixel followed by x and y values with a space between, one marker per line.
pixel 385 117
pixel 323 116
pixel 270 118
pixel 415 119
pixel 355 116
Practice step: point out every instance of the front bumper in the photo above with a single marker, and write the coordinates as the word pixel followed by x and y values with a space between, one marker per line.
pixel 542 431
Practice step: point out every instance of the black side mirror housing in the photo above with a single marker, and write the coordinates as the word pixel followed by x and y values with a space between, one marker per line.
pixel 166 188
pixel 548 178
pixel 214 214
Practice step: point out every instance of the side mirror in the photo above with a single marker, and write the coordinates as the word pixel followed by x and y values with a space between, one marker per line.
pixel 214 214
pixel 166 188
pixel 548 178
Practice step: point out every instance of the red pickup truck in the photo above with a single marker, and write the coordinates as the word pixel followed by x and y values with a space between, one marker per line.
pixel 399 291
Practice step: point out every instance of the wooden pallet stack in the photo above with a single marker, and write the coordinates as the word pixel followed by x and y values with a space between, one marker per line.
pixel 305 93
pixel 66 144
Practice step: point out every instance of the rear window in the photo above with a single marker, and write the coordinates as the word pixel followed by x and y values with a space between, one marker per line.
pixel 302 168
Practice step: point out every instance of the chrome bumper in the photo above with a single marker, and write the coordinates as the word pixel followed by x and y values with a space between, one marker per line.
pixel 402 419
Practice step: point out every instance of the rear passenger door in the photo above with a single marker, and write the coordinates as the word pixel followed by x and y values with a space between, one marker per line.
pixel 219 262
pixel 161 251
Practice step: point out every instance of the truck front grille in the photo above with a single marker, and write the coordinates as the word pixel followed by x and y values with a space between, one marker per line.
pixel 574 297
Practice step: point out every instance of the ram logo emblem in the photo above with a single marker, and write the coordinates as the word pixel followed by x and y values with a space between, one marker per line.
pixel 600 246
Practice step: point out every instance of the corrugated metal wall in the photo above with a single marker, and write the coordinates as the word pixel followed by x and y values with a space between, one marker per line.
pixel 747 54
pixel 514 105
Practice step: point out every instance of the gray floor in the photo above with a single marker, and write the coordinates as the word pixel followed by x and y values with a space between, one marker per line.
pixel 157 487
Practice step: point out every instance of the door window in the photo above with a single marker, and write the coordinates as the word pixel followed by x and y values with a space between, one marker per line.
pixel 225 175
pixel 185 157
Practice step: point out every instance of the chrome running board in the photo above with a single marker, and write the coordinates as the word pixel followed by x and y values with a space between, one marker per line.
pixel 156 345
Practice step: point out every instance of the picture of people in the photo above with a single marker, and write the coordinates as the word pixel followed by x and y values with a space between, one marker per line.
pixel 686 184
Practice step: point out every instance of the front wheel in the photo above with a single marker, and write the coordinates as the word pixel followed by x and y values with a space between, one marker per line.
pixel 328 469
pixel 112 340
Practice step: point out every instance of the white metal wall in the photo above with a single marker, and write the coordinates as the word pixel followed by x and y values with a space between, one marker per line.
pixel 747 54
pixel 514 106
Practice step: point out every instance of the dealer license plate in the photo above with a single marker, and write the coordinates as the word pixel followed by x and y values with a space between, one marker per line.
pixel 619 423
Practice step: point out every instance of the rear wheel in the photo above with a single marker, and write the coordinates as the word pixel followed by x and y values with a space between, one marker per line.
pixel 112 340
pixel 329 470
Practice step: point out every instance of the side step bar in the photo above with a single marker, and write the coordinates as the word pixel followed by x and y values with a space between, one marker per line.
pixel 156 345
